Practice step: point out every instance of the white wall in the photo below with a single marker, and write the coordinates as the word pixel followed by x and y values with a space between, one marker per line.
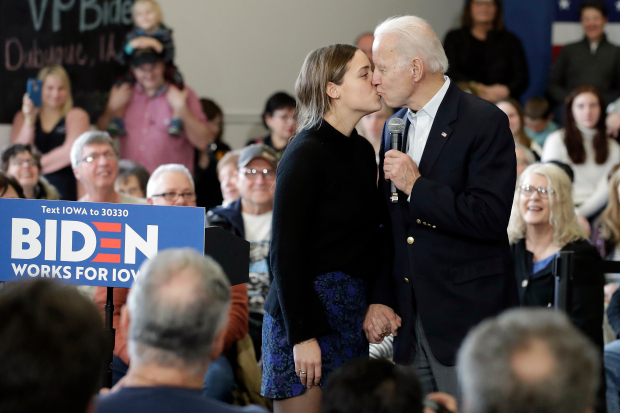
pixel 238 52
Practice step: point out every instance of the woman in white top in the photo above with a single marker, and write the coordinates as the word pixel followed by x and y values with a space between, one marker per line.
pixel 583 144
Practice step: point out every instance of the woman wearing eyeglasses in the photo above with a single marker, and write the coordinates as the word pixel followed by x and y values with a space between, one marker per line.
pixel 542 223
pixel 23 162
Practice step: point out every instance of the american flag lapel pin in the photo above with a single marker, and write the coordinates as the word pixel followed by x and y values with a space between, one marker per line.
pixel 444 134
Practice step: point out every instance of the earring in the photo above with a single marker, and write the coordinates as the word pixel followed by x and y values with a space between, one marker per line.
pixel 337 96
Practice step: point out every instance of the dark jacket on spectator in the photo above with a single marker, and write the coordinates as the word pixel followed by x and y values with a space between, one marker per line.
pixel 576 65
pixel 499 59
pixel 538 289
pixel 613 313
pixel 228 218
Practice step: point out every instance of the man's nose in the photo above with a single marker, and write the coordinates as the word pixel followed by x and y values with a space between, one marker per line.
pixel 375 78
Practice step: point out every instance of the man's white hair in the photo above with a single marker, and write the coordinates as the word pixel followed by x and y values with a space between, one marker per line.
pixel 415 38
pixel 151 185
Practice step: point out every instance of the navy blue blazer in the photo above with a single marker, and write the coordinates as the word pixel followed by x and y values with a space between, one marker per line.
pixel 450 259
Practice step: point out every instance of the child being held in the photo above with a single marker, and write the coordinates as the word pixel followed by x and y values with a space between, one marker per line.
pixel 150 32
pixel 537 119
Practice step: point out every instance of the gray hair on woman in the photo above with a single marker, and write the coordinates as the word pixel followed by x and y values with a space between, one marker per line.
pixel 178 305
pixel 416 39
pixel 562 215
pixel 322 66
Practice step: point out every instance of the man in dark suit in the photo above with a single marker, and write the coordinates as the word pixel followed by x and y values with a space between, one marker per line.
pixel 451 265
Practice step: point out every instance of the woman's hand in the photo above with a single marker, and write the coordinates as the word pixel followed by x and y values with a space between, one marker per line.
pixel 29 110
pixel 307 357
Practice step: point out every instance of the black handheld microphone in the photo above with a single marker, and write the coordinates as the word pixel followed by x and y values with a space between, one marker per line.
pixel 396 126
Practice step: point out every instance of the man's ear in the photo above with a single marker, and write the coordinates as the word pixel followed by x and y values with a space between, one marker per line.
pixel 149 201
pixel 332 90
pixel 76 172
pixel 417 69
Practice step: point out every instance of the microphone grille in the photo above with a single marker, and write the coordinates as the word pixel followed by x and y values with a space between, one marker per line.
pixel 396 125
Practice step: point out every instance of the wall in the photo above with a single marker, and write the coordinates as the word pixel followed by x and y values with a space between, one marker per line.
pixel 238 52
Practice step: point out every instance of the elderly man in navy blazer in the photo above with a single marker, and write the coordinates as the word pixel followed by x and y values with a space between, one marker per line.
pixel 450 265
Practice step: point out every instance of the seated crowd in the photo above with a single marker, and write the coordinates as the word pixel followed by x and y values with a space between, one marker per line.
pixel 198 347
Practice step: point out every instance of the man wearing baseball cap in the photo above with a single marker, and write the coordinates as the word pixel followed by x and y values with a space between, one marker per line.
pixel 148 110
pixel 249 217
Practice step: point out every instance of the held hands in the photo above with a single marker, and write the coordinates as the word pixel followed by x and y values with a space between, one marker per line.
pixel 400 169
pixel 177 98
pixel 144 42
pixel 119 97
pixel 445 399
pixel 29 110
pixel 380 322
pixel 307 357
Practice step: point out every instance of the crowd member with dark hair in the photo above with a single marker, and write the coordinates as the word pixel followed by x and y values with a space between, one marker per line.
pixel 591 61
pixel 372 386
pixel 538 119
pixel 9 187
pixel 325 189
pixel 51 347
pixel 528 360
pixel 280 117
pixel 482 51
pixel 23 162
pixel 514 111
pixel 214 113
pixel 542 223
pixel 132 178
pixel 250 217
pixel 52 128
pixel 150 105
pixel 175 324
pixel 208 192
pixel 584 146
pixel 228 175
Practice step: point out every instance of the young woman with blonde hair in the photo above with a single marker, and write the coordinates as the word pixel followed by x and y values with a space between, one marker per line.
pixel 325 234
pixel 52 128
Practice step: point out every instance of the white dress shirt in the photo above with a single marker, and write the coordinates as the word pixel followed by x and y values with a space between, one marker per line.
pixel 420 124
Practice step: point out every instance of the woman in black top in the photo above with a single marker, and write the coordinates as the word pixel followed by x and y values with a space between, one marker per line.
pixel 52 128
pixel 486 56
pixel 543 222
pixel 325 233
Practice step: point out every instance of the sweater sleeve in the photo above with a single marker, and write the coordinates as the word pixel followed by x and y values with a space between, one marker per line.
pixel 554 148
pixel 599 197
pixel 238 316
pixel 299 182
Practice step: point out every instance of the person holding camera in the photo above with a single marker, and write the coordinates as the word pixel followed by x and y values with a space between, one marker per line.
pixel 52 127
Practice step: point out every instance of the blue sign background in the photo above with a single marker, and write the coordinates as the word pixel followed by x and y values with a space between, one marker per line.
pixel 177 227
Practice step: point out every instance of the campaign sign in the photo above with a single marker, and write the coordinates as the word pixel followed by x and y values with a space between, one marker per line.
pixel 90 243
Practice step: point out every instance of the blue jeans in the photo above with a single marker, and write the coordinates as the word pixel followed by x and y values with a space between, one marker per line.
pixel 612 374
pixel 219 381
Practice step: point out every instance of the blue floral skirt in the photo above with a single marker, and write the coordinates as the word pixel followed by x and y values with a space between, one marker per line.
pixel 344 299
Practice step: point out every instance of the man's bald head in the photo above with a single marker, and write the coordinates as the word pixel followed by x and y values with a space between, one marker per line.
pixel 528 360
